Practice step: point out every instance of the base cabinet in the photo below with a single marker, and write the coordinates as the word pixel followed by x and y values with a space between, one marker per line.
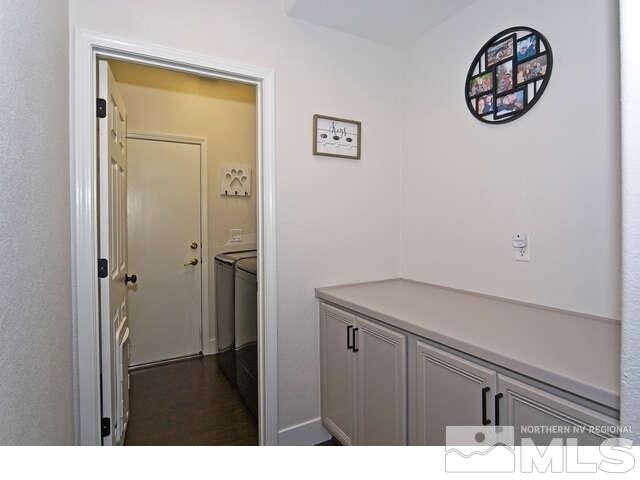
pixel 448 391
pixel 381 393
pixel 337 374
pixel 363 380
pixel 539 417
pixel 367 381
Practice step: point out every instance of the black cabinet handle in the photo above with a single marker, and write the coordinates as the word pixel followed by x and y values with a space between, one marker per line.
pixel 355 349
pixel 496 407
pixel 485 420
pixel 349 346
pixel 130 278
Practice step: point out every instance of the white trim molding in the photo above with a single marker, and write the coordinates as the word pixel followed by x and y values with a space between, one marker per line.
pixel 630 110
pixel 86 48
pixel 311 432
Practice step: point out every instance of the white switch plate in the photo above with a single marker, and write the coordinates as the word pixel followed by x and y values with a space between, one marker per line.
pixel 521 244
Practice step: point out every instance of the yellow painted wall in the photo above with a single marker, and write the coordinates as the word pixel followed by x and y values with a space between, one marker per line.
pixel 162 101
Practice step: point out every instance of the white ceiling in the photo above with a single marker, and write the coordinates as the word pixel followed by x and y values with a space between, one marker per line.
pixel 392 22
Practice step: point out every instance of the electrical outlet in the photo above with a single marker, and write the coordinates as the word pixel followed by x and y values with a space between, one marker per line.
pixel 521 244
pixel 523 254
pixel 235 235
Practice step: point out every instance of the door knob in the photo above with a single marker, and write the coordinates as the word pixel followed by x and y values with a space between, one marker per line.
pixel 193 262
pixel 130 278
pixel 193 245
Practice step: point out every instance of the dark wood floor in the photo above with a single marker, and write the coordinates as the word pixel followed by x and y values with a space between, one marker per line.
pixel 187 403
pixel 332 442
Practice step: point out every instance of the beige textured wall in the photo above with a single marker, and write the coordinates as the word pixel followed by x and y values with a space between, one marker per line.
pixel 162 101
pixel 36 373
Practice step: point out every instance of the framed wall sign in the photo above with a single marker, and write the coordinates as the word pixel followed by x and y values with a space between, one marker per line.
pixel 336 137
pixel 508 75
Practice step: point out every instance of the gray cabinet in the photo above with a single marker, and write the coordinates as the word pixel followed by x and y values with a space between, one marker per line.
pixel 363 380
pixel 381 393
pixel 448 390
pixel 367 381
pixel 337 374
pixel 542 416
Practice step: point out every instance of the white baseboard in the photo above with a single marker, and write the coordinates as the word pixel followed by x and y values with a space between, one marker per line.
pixel 210 347
pixel 311 432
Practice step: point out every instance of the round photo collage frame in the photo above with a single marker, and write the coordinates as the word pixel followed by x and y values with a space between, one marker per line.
pixel 508 75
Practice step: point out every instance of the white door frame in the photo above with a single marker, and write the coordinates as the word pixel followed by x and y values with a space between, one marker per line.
pixel 86 48
pixel 205 270
pixel 630 123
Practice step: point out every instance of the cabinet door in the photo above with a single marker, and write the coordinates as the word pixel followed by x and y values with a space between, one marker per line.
pixel 449 390
pixel 337 373
pixel 381 394
pixel 542 416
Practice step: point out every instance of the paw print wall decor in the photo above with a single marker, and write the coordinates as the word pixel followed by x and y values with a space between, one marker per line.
pixel 235 182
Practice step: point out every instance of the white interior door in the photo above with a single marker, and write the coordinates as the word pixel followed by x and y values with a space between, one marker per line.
pixel 112 160
pixel 164 237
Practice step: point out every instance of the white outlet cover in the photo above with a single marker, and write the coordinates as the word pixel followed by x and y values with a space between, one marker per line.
pixel 523 254
pixel 521 247
pixel 236 235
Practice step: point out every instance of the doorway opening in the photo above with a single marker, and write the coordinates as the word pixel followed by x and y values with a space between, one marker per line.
pixel 155 193
pixel 168 201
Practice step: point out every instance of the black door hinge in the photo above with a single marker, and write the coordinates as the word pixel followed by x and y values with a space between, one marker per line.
pixel 105 426
pixel 101 108
pixel 103 268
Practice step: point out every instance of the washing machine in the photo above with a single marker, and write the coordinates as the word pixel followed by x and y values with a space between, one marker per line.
pixel 225 309
pixel 246 332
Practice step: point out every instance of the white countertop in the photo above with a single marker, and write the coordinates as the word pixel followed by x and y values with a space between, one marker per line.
pixel 575 352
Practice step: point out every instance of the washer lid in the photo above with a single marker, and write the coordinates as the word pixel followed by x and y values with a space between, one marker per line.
pixel 249 265
pixel 232 257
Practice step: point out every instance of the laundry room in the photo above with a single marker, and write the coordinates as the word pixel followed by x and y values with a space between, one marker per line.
pixel 188 159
